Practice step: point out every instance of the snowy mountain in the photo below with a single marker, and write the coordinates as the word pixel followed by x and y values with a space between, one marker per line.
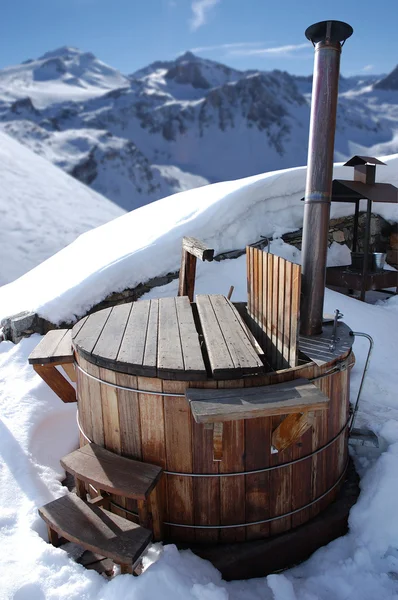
pixel 42 209
pixel 58 76
pixel 178 124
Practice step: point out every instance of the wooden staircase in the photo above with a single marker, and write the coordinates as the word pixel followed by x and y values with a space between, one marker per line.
pixel 77 518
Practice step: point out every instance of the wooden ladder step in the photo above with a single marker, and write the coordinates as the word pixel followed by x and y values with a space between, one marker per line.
pixel 112 473
pixel 55 349
pixel 96 529
pixel 219 405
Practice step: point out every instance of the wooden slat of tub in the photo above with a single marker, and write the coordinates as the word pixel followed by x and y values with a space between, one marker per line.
pixel 194 366
pixel 129 417
pixel 206 489
pixel 283 308
pixel 241 350
pixel 257 452
pixel 288 341
pixel 131 353
pixel 295 313
pixel 301 478
pixel 153 442
pixel 270 285
pixel 217 349
pixel 86 337
pixel 178 434
pixel 170 357
pixel 232 489
pixel 280 483
pixel 111 424
pixel 275 309
pixel 130 430
pixel 89 392
pixel 111 336
pixel 319 438
pixel 230 351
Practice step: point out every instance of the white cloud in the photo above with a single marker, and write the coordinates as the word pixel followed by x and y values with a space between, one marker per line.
pixel 232 46
pixel 200 10
pixel 276 51
pixel 368 68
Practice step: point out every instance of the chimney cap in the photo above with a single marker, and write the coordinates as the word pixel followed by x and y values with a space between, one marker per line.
pixel 363 160
pixel 333 31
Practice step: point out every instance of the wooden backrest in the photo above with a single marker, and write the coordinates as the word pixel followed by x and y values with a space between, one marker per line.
pixel 274 287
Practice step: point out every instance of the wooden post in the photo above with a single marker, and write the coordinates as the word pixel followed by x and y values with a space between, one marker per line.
pixel 192 249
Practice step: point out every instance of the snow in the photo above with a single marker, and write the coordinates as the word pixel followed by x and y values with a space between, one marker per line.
pixel 42 209
pixel 62 75
pixel 37 429
pixel 146 243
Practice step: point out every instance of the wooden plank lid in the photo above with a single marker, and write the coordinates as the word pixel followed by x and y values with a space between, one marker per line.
pixel 151 338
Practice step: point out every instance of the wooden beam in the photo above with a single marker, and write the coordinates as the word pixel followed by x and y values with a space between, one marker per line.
pixel 56 382
pixel 186 286
pixel 197 248
pixel 292 428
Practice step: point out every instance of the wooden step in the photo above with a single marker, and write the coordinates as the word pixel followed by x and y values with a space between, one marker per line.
pixel 96 529
pixel 112 473
pixel 55 348
pixel 219 405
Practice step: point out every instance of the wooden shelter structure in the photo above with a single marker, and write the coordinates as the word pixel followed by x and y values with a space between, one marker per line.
pixel 363 187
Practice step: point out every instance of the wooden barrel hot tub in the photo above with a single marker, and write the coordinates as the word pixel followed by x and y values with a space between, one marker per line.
pixel 223 481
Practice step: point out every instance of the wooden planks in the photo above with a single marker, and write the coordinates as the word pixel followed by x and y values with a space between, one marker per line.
pixel 96 529
pixel 274 287
pixel 56 382
pixel 54 348
pixel 230 350
pixel 147 338
pixel 299 395
pixel 112 473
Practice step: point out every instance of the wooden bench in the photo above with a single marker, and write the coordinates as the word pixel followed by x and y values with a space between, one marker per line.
pixel 96 529
pixel 114 474
pixel 53 350
pixel 297 399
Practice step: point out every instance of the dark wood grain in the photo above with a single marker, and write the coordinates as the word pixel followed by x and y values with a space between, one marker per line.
pixel 96 529
pixel 112 473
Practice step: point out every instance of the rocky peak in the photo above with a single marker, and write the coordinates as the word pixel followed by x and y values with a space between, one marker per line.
pixel 388 83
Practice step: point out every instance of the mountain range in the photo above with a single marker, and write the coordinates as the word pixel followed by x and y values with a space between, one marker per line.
pixel 179 124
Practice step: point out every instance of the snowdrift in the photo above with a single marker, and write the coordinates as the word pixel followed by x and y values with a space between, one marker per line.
pixel 42 209
pixel 146 243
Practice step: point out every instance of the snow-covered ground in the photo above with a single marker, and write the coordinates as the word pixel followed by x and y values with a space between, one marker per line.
pixel 42 209
pixel 37 429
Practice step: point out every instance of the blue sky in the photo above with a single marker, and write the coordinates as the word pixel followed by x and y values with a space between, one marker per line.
pixel 129 34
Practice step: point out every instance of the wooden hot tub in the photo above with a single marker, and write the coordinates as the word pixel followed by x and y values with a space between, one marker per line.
pixel 223 481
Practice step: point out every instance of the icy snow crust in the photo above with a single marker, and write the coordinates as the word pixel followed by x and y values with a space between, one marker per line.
pixel 42 209
pixel 146 242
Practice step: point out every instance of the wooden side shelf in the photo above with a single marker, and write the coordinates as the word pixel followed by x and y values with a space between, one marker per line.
pixel 55 349
pixel 219 405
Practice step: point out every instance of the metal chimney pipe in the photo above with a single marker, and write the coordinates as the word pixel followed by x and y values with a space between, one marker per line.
pixel 328 38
